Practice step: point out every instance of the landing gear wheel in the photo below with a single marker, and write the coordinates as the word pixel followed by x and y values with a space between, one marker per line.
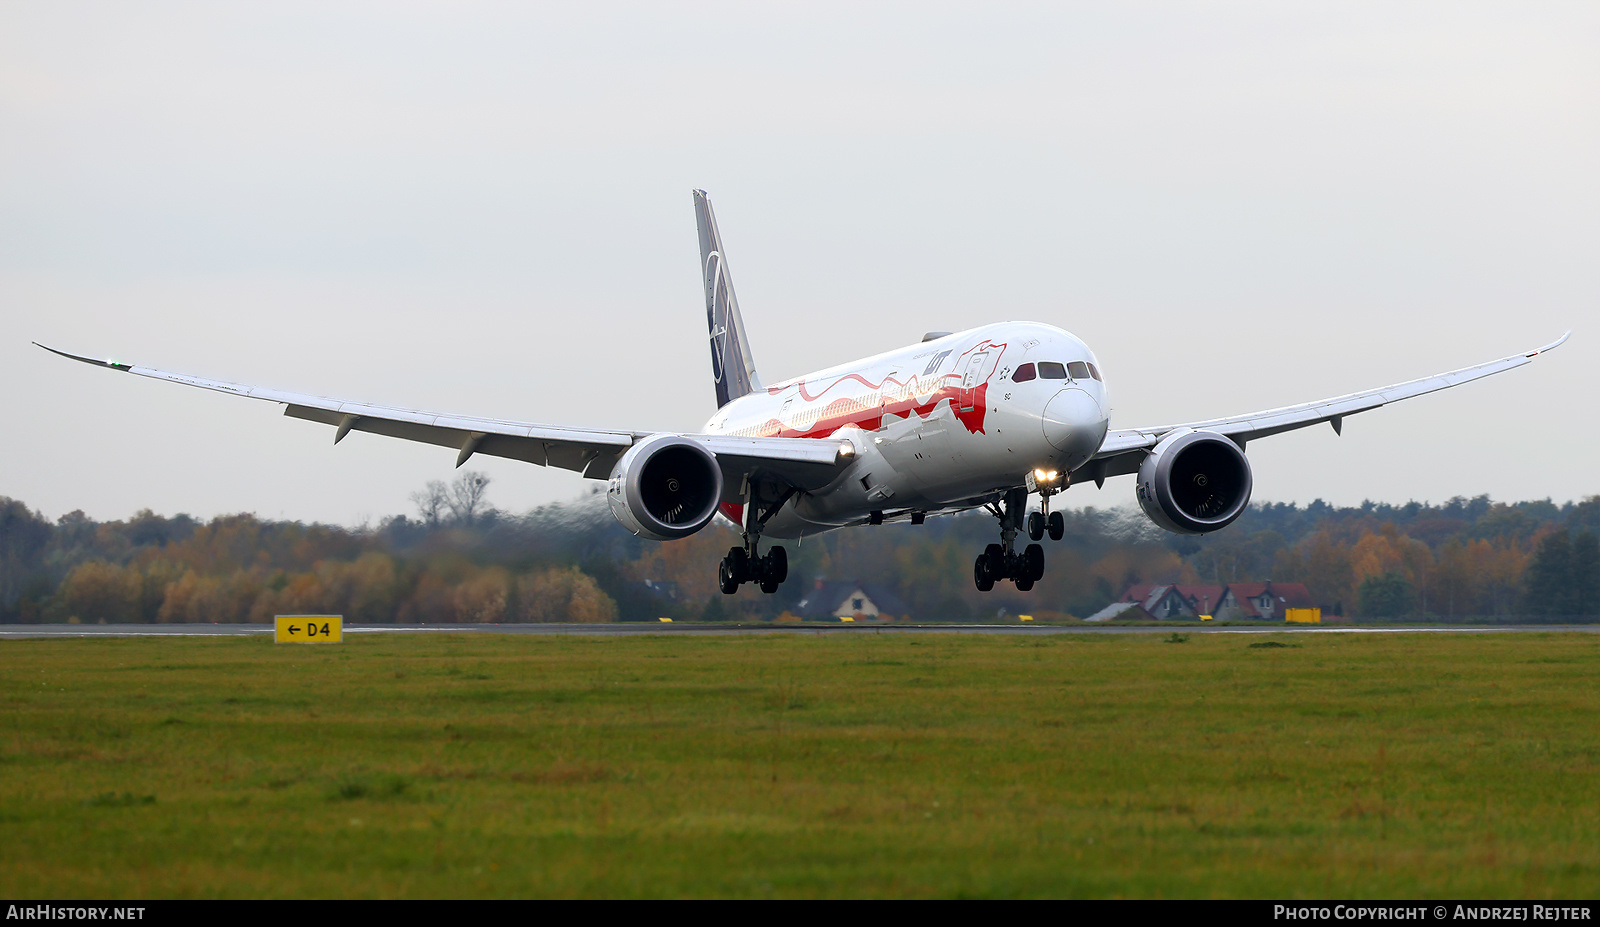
pixel 1032 566
pixel 1058 526
pixel 739 565
pixel 1036 522
pixel 769 586
pixel 994 561
pixel 725 578
pixel 1001 561
pixel 980 574
pixel 777 567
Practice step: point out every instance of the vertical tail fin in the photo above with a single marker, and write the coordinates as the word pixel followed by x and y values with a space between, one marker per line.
pixel 731 364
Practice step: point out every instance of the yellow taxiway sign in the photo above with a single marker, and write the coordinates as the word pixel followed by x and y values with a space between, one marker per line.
pixel 310 629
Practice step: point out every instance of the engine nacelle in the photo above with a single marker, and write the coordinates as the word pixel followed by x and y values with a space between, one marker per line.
pixel 665 487
pixel 1194 482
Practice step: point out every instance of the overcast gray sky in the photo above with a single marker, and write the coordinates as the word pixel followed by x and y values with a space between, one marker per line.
pixel 484 208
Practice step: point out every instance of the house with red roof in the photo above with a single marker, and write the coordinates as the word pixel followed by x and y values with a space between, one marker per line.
pixel 1235 601
pixel 1264 601
pixel 1174 601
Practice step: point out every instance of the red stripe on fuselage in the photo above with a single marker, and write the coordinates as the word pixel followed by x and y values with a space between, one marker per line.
pixel 842 412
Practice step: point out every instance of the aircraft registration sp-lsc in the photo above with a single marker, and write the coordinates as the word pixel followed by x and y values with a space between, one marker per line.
pixel 961 420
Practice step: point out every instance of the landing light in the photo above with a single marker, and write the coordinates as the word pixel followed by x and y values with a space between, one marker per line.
pixel 847 450
pixel 1042 480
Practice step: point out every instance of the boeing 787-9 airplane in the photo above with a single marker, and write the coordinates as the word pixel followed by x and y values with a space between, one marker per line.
pixel 979 418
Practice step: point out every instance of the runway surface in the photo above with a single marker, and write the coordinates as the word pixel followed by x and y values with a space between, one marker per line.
pixel 632 628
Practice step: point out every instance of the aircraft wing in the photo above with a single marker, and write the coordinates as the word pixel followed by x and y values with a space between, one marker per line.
pixel 804 463
pixel 1124 450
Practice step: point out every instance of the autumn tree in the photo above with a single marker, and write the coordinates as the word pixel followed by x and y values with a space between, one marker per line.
pixel 198 599
pixel 100 591
pixel 482 598
pixel 563 594
pixel 1455 585
pixel 1328 570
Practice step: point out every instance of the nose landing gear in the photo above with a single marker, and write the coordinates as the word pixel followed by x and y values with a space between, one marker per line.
pixel 1002 561
pixel 1040 523
pixel 1045 520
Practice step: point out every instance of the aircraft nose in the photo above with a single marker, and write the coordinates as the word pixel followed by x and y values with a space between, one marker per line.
pixel 1074 424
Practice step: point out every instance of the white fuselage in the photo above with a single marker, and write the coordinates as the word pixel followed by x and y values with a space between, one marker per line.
pixel 937 426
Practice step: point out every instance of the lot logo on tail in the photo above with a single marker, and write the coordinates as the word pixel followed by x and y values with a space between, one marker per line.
pixel 717 315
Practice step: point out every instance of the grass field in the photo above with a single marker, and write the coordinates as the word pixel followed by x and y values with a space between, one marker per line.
pixel 852 765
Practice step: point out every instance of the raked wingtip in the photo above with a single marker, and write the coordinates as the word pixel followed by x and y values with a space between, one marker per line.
pixel 1552 345
pixel 87 360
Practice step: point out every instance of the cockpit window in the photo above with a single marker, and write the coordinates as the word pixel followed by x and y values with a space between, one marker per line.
pixel 1050 370
pixel 1079 370
pixel 1023 374
pixel 1094 371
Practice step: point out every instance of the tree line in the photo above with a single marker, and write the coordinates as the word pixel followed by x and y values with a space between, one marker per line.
pixel 457 558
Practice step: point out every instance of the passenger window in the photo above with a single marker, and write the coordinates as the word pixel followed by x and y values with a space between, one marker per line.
pixel 1023 374
pixel 1079 370
pixel 1050 370
pixel 1094 371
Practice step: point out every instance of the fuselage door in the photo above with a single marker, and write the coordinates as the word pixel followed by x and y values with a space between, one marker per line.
pixel 888 395
pixel 971 379
pixel 785 421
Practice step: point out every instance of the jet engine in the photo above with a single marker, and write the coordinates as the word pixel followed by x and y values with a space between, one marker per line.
pixel 665 487
pixel 1194 482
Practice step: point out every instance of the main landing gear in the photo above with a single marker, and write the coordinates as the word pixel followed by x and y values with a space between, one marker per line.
pixel 1001 561
pixel 745 564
